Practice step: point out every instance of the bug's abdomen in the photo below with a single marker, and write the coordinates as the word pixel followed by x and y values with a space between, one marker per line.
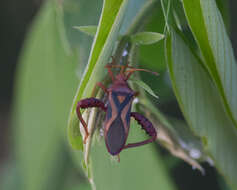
pixel 116 136
pixel 117 121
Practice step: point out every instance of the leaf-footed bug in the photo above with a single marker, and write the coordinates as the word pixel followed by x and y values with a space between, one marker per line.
pixel 118 111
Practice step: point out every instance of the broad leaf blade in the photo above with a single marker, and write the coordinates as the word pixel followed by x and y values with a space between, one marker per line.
pixel 139 168
pixel 146 38
pixel 202 107
pixel 209 31
pixel 45 83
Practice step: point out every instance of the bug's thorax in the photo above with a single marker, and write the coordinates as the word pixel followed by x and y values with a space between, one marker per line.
pixel 120 85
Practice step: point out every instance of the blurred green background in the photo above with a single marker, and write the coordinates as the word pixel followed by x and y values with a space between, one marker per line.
pixel 16 18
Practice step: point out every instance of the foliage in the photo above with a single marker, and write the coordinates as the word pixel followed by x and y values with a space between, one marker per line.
pixel 190 43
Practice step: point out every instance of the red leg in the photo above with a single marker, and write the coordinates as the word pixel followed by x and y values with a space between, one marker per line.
pixel 88 103
pixel 147 126
pixel 110 72
pixel 98 84
pixel 109 66
pixel 132 70
pixel 102 87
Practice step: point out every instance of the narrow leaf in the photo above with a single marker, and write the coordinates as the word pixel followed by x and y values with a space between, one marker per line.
pixel 146 38
pixel 89 30
pixel 144 86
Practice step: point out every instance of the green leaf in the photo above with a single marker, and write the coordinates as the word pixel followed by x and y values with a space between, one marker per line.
pixel 139 168
pixel 209 31
pixel 90 30
pixel 75 13
pixel 144 86
pixel 10 176
pixel 146 38
pixel 45 83
pixel 224 7
pixel 104 41
pixel 152 56
pixel 202 107
pixel 74 134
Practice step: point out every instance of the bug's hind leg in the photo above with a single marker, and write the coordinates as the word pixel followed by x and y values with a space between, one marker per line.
pixel 88 103
pixel 147 126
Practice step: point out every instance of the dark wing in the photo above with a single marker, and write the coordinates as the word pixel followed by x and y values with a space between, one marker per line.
pixel 117 121
pixel 116 136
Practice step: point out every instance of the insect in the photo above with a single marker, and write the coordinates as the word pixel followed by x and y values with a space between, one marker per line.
pixel 118 111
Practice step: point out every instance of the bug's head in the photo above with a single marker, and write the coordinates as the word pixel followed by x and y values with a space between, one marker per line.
pixel 124 74
pixel 120 79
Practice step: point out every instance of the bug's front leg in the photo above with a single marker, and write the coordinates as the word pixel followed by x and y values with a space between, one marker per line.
pixel 88 103
pixel 147 126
